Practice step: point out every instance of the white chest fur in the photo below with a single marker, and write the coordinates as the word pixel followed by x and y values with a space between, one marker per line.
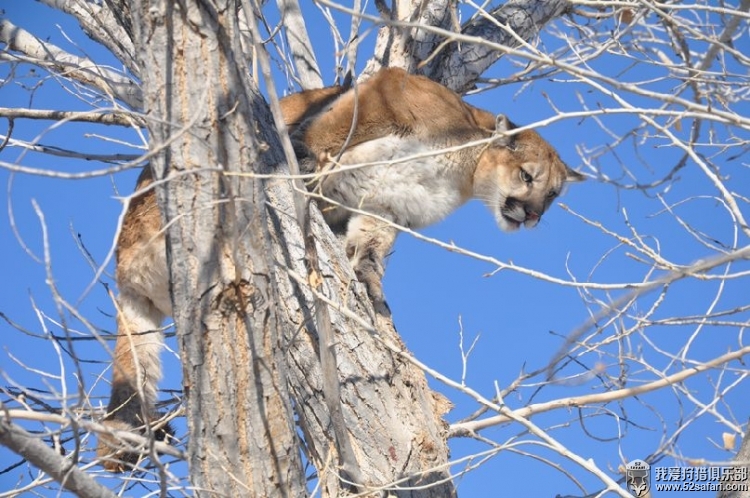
pixel 411 184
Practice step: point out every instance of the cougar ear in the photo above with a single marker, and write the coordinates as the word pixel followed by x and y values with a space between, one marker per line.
pixel 500 137
pixel 573 175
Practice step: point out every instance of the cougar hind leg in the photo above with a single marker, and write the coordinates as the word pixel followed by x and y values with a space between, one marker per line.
pixel 136 370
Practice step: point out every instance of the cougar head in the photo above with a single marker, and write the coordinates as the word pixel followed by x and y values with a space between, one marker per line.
pixel 519 175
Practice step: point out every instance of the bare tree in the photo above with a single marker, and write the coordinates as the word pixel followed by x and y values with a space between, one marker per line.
pixel 259 329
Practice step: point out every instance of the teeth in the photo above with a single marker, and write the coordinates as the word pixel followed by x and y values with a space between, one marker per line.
pixel 531 223
pixel 517 214
pixel 508 224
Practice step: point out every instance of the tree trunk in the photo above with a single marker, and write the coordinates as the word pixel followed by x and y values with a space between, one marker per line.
pixel 205 113
pixel 229 314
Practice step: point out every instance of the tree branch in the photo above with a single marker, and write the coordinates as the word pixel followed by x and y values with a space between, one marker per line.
pixel 469 53
pixel 300 46
pixel 101 24
pixel 57 60
pixel 42 456
pixel 600 398
pixel 507 25
pixel 60 152
pixel 104 116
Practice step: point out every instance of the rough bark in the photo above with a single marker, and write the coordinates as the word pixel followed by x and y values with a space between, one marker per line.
pixel 407 45
pixel 206 113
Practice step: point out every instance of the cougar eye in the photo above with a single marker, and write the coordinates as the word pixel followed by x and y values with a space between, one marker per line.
pixel 525 176
pixel 551 194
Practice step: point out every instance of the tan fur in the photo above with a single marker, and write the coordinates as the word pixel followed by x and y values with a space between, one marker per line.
pixel 397 116
pixel 395 102
pixel 397 112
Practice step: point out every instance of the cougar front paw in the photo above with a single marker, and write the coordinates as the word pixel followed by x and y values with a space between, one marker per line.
pixel 369 270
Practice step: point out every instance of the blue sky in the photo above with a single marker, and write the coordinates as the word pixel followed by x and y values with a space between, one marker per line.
pixel 520 321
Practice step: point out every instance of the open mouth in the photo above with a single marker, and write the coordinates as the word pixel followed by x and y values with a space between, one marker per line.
pixel 510 214
pixel 508 222
pixel 512 223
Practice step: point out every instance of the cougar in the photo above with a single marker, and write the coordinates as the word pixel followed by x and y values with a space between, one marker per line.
pixel 428 153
